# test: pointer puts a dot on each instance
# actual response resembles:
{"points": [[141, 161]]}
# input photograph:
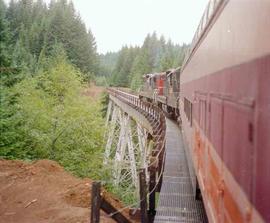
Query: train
{"points": [[221, 98]]}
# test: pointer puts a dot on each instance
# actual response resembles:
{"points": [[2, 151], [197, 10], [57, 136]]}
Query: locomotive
{"points": [[163, 89], [221, 97]]}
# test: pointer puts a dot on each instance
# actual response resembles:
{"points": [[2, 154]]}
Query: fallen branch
{"points": [[31, 202]]}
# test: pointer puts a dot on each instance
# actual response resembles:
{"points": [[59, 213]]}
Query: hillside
{"points": [[43, 191]]}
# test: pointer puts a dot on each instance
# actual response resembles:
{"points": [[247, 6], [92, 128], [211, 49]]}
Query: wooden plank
{"points": [[113, 212], [143, 198], [152, 196], [95, 202]]}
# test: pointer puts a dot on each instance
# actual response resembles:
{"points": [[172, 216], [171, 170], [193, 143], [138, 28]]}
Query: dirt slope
{"points": [[43, 192], [94, 91]]}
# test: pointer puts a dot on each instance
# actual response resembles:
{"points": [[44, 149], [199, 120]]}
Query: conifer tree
{"points": [[4, 37]]}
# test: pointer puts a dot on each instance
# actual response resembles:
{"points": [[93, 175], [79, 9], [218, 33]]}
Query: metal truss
{"points": [[127, 149]]}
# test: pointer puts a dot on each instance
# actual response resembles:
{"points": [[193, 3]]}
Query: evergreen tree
{"points": [[66, 27], [36, 28], [107, 63], [155, 55], [141, 66], [122, 71], [35, 86], [4, 37], [167, 60]]}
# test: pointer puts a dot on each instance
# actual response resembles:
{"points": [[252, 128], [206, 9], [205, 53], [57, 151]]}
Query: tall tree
{"points": [[67, 28], [122, 71], [35, 28], [4, 37], [107, 63], [141, 66]]}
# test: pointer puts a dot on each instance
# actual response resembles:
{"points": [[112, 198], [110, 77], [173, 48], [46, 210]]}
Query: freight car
{"points": [[224, 103]]}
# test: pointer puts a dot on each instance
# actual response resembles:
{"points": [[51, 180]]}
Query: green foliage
{"points": [[155, 55], [4, 37], [121, 73], [107, 63], [101, 81], [11, 137], [52, 119], [104, 103], [67, 28], [46, 53], [128, 197], [33, 29], [141, 66]]}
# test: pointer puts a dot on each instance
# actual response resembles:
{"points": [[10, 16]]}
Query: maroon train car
{"points": [[225, 110]]}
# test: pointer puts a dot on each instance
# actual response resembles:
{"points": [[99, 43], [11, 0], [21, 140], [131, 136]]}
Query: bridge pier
{"points": [[135, 140], [128, 147]]}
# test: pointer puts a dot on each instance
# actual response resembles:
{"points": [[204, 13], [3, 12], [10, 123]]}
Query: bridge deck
{"points": [[176, 200]]}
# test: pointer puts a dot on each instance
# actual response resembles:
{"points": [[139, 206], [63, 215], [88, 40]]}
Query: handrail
{"points": [[153, 113]]}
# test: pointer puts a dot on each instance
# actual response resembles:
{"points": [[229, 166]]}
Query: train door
{"points": [[202, 124], [230, 158], [214, 156], [238, 155], [200, 128]]}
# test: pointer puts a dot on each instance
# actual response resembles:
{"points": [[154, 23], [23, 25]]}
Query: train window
{"points": [[188, 110]]}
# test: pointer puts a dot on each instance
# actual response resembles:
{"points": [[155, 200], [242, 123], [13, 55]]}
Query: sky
{"points": [[115, 23]]}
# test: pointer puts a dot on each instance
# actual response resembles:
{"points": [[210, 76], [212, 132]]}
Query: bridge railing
{"points": [[156, 118]]}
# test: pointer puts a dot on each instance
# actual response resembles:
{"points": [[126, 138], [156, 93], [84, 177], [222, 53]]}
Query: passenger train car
{"points": [[222, 95]]}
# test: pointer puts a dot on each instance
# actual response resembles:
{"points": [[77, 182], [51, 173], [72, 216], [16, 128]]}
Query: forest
{"points": [[48, 57], [126, 67]]}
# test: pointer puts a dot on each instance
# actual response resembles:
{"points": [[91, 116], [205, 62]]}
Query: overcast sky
{"points": [[115, 23]]}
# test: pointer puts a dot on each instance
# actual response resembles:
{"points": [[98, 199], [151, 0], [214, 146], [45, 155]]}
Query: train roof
{"points": [[207, 17], [154, 75], [172, 71]]}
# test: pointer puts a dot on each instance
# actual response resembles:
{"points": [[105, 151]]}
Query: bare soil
{"points": [[94, 91], [43, 191]]}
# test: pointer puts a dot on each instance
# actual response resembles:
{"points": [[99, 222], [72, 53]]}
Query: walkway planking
{"points": [[176, 201]]}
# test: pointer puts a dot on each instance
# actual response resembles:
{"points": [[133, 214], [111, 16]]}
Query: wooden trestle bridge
{"points": [[146, 151]]}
